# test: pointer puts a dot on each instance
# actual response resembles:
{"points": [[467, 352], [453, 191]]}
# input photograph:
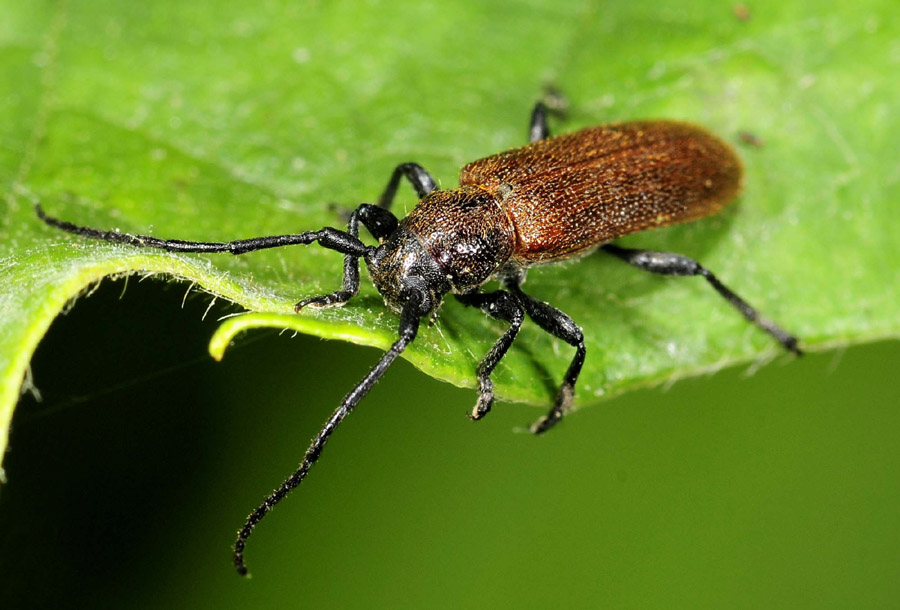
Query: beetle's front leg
{"points": [[418, 177], [380, 223], [350, 286]]}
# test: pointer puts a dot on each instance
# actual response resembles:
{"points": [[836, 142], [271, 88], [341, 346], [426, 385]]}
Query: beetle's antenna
{"points": [[409, 326], [328, 238]]}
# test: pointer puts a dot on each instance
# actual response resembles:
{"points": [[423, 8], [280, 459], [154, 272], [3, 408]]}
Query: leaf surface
{"points": [[214, 122]]}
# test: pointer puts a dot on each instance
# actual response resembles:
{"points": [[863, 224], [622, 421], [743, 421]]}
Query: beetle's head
{"points": [[403, 271]]}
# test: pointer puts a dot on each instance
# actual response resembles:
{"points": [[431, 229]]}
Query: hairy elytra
{"points": [[551, 200], [566, 194]]}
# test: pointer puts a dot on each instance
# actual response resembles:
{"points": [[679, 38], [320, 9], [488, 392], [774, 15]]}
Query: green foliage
{"points": [[211, 121]]}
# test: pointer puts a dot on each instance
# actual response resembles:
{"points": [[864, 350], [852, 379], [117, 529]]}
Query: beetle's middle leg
{"points": [[503, 306], [559, 325]]}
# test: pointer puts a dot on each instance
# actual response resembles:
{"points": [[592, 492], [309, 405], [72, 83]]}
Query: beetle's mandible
{"points": [[556, 198]]}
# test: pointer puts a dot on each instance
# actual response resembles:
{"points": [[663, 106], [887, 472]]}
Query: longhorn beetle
{"points": [[557, 198]]}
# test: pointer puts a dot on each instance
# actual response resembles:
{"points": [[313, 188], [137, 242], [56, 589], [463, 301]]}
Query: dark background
{"points": [[127, 481]]}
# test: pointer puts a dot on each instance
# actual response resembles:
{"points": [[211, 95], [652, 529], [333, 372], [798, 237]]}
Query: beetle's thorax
{"points": [[466, 231], [451, 241]]}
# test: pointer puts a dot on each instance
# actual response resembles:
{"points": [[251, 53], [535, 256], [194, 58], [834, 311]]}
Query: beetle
{"points": [[552, 200]]}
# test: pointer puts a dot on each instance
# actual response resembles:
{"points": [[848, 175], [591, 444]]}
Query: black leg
{"points": [[559, 325], [409, 325], [379, 221], [350, 285], [502, 306], [327, 238], [420, 179], [553, 102], [665, 263], [538, 129]]}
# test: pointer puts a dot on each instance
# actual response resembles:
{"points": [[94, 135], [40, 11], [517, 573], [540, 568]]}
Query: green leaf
{"points": [[213, 122]]}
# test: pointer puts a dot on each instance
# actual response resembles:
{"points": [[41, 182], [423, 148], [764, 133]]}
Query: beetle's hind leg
{"points": [[559, 325], [666, 263], [502, 306]]}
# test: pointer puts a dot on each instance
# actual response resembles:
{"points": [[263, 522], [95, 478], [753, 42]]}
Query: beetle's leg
{"points": [[665, 263], [538, 129], [502, 306], [559, 325], [409, 325], [327, 238], [420, 179], [553, 103], [350, 286], [380, 223]]}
